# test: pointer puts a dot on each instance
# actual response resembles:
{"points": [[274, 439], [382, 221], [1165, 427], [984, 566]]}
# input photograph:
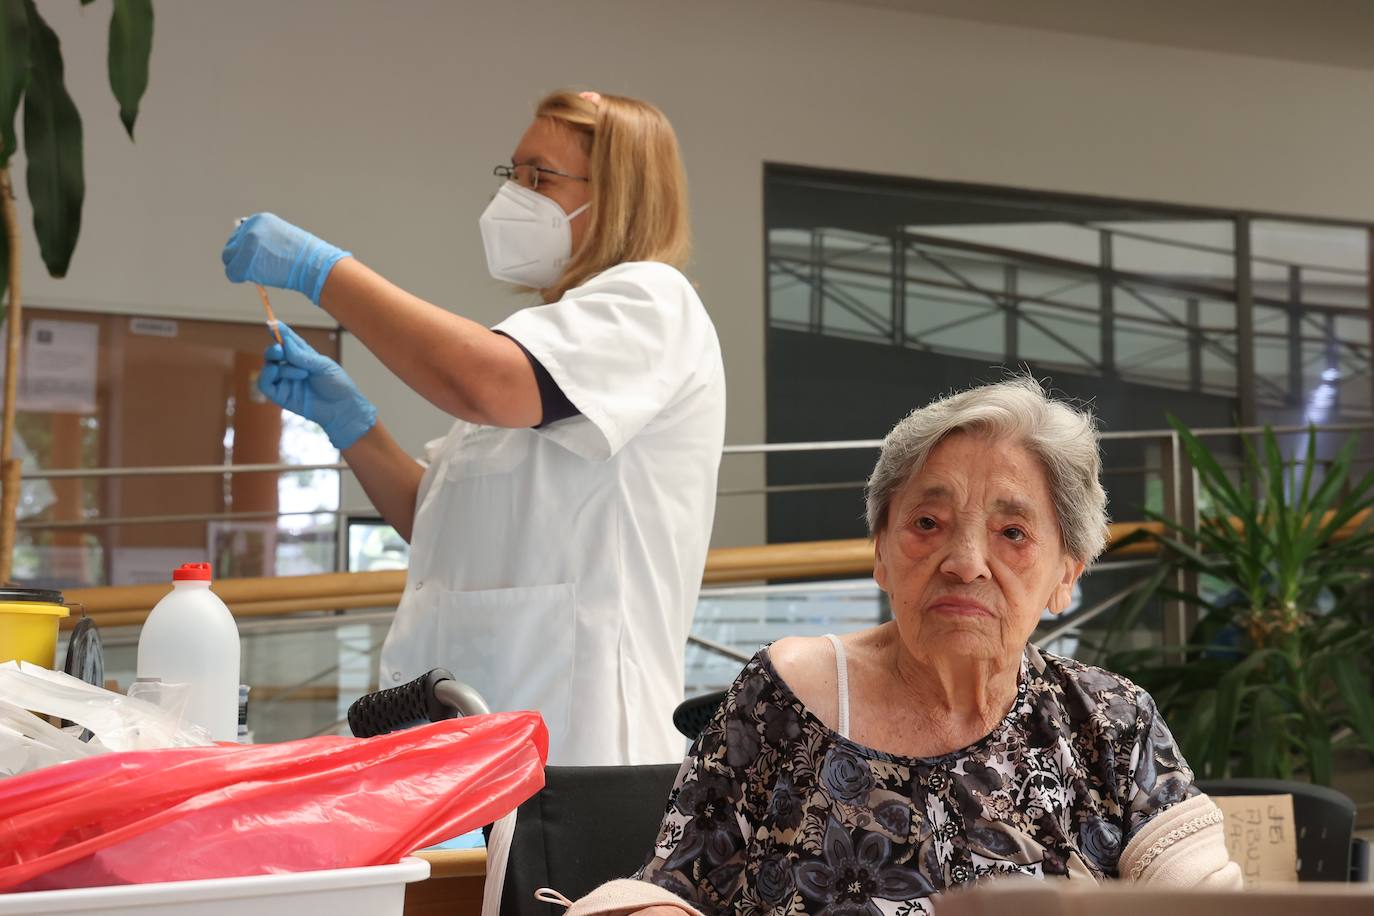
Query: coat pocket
{"points": [[516, 646]]}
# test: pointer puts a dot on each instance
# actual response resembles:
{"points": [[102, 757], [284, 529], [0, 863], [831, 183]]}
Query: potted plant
{"points": [[1275, 674], [31, 73]]}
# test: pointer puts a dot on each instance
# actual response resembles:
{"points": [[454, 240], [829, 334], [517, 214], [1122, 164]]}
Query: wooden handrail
{"points": [[726, 565], [127, 605], [246, 591]]}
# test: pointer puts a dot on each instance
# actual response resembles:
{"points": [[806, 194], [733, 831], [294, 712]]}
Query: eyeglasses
{"points": [[528, 175]]}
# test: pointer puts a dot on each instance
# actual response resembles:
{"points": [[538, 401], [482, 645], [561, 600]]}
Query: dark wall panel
{"points": [[827, 388]]}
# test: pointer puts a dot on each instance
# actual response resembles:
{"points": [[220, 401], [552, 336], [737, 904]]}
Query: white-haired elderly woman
{"points": [[866, 773]]}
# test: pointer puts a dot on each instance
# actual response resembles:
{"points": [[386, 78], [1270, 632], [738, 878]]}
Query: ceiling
{"points": [[1336, 33]]}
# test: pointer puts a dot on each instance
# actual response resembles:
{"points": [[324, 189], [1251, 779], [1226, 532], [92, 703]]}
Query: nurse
{"points": [[559, 531]]}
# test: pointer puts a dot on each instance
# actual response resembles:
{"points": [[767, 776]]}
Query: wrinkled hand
{"points": [[298, 378], [266, 249]]}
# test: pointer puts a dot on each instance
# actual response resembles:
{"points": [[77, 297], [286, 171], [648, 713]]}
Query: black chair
{"points": [[691, 716], [585, 827], [1325, 821]]}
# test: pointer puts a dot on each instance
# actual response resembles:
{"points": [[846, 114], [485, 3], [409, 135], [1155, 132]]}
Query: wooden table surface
{"points": [[455, 863], [454, 887]]}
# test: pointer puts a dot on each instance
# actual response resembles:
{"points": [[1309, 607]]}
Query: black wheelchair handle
{"points": [[401, 707]]}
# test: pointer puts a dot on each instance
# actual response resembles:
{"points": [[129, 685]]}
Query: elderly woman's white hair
{"points": [[1017, 410]]}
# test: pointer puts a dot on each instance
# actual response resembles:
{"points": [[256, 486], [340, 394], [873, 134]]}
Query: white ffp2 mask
{"points": [[527, 237]]}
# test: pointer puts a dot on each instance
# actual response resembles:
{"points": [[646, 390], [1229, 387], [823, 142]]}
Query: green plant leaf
{"points": [[1130, 609], [1212, 537], [1308, 468], [14, 71], [1349, 505], [1255, 521], [1287, 561], [1213, 477], [131, 43], [1209, 627], [1227, 562], [1231, 690], [1354, 688], [1226, 712], [1193, 725], [1340, 580], [1275, 470], [1267, 735], [1135, 537], [1317, 743], [1185, 552], [1328, 492], [1338, 637], [1192, 598], [14, 78], [52, 141], [1164, 697]]}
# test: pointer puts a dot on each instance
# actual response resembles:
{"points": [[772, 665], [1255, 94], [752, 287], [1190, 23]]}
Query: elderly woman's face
{"points": [[971, 553]]}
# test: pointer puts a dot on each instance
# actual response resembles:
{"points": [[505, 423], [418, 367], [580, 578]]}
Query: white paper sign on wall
{"points": [[60, 366]]}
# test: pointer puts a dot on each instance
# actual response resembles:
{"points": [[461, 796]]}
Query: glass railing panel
{"points": [[744, 619], [1202, 252]]}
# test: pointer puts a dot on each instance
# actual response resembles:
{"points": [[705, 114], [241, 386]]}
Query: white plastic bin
{"points": [[376, 891]]}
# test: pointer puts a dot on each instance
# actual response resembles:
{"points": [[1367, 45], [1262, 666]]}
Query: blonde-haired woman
{"points": [[559, 531]]}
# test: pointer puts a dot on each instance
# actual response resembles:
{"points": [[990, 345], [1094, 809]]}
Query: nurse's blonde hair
{"points": [[638, 185]]}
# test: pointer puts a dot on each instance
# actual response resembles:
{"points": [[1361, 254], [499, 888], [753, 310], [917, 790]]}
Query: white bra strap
{"points": [[842, 683]]}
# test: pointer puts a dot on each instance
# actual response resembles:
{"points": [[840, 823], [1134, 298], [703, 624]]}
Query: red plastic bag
{"points": [[229, 810]]}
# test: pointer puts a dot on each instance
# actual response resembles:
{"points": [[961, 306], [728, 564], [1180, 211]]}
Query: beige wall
{"points": [[376, 125]]}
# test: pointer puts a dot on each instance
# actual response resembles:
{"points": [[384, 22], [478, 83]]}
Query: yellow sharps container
{"points": [[29, 618]]}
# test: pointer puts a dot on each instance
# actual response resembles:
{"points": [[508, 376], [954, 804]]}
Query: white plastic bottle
{"points": [[191, 638]]}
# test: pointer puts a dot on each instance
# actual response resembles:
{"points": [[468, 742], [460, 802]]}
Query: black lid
{"points": [[38, 595]]}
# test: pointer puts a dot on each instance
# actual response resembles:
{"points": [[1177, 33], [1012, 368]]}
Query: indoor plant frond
{"points": [[32, 79], [1277, 664]]}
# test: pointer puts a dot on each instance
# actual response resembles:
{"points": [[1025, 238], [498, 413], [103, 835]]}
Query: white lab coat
{"points": [[557, 569]]}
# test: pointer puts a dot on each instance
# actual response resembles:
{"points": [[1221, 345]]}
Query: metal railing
{"points": [[1176, 479], [1179, 502], [1177, 488]]}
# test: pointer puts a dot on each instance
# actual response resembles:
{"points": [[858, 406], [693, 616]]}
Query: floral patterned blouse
{"points": [[774, 813]]}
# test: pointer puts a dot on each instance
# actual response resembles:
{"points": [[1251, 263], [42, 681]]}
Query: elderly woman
{"points": [[866, 773]]}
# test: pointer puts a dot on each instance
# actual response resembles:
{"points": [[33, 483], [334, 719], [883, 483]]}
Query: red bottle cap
{"points": [[195, 572]]}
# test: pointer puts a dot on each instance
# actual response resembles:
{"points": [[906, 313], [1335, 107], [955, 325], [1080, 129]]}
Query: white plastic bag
{"points": [[120, 723], [170, 698], [28, 742]]}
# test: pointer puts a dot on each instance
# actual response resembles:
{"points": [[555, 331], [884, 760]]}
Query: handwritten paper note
{"points": [[1261, 836]]}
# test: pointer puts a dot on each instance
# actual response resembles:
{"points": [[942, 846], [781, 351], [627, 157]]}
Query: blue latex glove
{"points": [[266, 249], [299, 379]]}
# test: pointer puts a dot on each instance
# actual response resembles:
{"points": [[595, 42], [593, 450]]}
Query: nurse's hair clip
{"points": [[593, 97]]}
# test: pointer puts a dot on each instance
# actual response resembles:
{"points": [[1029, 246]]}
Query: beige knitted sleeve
{"points": [[1183, 846], [625, 896]]}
